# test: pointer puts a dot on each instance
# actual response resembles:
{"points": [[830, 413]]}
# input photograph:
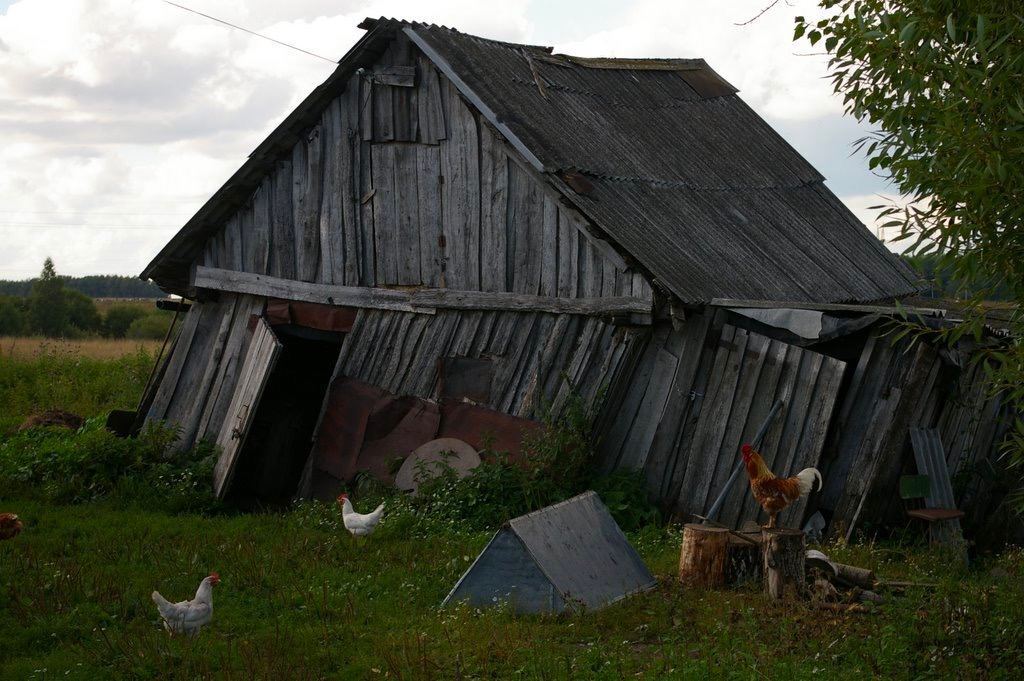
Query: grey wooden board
{"points": [[505, 573], [931, 461], [307, 183], [431, 236], [582, 551], [259, 362], [460, 194], [179, 355], [282, 255], [418, 300], [234, 354]]}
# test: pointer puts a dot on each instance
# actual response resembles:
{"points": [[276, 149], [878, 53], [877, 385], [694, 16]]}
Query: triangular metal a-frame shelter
{"points": [[571, 555]]}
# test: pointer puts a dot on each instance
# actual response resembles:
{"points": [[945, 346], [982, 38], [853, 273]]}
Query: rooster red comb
{"points": [[746, 449]]}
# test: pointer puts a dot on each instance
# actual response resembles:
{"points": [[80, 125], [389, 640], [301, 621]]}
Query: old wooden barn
{"points": [[452, 234]]}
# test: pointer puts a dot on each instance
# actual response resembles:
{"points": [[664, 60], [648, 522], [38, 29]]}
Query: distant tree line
{"points": [[51, 308], [94, 286]]}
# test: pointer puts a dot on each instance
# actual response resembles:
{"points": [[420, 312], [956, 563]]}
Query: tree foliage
{"points": [[46, 304], [942, 81]]}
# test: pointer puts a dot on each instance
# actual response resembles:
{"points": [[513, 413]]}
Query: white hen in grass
{"points": [[359, 524], [188, 617]]}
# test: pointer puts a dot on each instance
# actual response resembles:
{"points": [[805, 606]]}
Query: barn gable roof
{"points": [[661, 154]]}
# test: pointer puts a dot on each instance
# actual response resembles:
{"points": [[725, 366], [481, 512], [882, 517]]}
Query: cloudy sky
{"points": [[118, 118]]}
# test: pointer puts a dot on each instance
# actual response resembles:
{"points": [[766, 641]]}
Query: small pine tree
{"points": [[47, 306]]}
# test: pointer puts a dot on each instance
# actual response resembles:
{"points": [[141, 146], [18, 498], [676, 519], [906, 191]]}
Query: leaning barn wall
{"points": [[202, 368]]}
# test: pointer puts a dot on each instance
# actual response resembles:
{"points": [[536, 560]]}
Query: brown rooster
{"points": [[10, 526], [773, 493]]}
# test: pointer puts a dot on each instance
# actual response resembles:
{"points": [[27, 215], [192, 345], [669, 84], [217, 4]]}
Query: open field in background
{"points": [[88, 378], [30, 347], [144, 304], [300, 600]]}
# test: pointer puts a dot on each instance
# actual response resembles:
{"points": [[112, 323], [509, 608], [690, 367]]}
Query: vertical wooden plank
{"points": [[525, 230], [177, 359], [407, 214], [259, 363], [199, 397], [568, 255], [348, 178], [234, 257], [493, 208], [385, 220], [332, 244], [428, 170], [367, 230], [231, 361], [282, 258], [428, 98], [460, 195], [404, 115], [549, 249], [366, 109], [257, 242], [307, 184]]}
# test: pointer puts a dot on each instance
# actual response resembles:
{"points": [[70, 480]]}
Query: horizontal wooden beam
{"points": [[424, 301]]}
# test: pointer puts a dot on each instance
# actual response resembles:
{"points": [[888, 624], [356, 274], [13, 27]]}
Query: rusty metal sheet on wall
{"points": [[480, 426], [310, 315], [366, 428]]}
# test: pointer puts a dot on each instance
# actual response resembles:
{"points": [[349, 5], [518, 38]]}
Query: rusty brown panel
{"points": [[311, 315], [364, 428], [480, 426], [707, 83], [466, 378]]}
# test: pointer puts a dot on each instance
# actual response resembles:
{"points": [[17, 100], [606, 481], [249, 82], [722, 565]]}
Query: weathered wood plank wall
{"points": [[203, 368], [697, 393], [402, 183], [539, 359]]}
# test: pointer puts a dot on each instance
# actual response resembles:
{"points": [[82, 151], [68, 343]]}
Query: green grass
{"points": [[63, 379], [299, 600]]}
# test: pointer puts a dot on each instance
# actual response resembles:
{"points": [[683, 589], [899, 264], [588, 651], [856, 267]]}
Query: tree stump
{"points": [[783, 552], [702, 556], [743, 559]]}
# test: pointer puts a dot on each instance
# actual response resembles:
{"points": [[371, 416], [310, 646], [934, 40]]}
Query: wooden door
{"points": [[259, 362], [749, 373]]}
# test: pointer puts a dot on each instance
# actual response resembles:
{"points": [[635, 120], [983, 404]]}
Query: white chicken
{"points": [[359, 524], [188, 617]]}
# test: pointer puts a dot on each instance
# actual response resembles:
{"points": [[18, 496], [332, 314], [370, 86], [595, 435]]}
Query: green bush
{"points": [[13, 316], [152, 327], [119, 318], [82, 316], [65, 467], [555, 465]]}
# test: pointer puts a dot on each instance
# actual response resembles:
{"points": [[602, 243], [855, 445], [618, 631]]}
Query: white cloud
{"points": [[125, 115]]}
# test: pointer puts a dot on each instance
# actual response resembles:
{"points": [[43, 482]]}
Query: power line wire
{"points": [[240, 28]]}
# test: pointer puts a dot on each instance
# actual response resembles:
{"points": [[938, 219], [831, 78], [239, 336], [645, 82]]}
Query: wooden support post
{"points": [[783, 551], [702, 556]]}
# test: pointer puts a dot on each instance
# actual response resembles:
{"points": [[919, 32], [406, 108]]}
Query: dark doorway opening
{"points": [[278, 443]]}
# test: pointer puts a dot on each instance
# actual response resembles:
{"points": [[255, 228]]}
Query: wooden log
{"points": [[783, 552], [703, 555], [855, 576]]}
